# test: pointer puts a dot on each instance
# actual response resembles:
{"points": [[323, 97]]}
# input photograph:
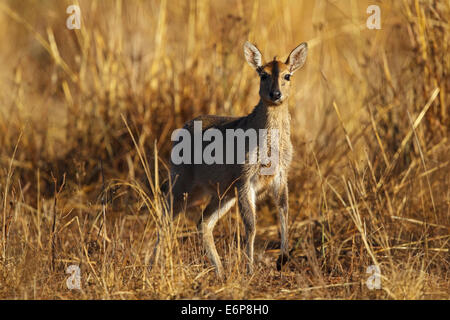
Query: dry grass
{"points": [[369, 182]]}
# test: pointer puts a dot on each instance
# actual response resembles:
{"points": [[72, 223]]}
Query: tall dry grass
{"points": [[85, 124]]}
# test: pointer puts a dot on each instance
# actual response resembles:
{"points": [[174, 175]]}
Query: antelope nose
{"points": [[275, 95]]}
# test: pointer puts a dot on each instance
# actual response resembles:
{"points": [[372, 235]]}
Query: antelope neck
{"points": [[270, 116]]}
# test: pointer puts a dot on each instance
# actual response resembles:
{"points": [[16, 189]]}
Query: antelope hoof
{"points": [[282, 260], [219, 273], [250, 269]]}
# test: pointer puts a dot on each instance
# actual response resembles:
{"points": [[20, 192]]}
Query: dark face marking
{"points": [[274, 86]]}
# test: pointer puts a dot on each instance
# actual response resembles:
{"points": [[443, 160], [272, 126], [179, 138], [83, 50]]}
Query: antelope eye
{"points": [[264, 76], [287, 77]]}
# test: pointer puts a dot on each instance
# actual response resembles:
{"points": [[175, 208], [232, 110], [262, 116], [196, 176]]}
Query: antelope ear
{"points": [[252, 55], [297, 57]]}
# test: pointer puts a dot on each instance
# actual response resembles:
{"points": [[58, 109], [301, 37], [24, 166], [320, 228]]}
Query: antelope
{"points": [[228, 183]]}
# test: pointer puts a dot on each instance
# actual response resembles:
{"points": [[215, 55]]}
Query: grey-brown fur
{"points": [[221, 182]]}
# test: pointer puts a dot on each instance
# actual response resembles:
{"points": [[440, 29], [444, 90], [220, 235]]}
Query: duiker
{"points": [[225, 182]]}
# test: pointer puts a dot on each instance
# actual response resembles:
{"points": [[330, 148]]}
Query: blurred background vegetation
{"points": [[370, 122]]}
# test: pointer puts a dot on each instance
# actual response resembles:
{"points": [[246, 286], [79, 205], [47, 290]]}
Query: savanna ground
{"points": [[86, 118]]}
